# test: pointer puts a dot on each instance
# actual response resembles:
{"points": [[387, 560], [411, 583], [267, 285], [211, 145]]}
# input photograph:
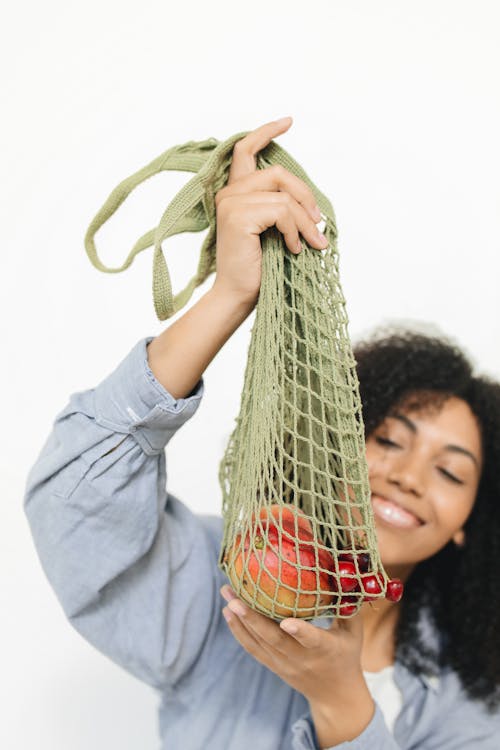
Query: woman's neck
{"points": [[379, 634], [380, 619]]}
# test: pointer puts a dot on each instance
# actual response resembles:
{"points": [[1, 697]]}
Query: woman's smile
{"points": [[393, 514]]}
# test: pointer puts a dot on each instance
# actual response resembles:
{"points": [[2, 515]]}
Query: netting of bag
{"points": [[299, 537]]}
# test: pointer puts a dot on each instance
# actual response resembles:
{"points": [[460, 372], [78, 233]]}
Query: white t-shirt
{"points": [[386, 693]]}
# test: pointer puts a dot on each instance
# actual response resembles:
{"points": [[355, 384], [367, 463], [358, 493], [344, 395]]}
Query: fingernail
{"points": [[316, 214], [299, 246], [289, 627], [237, 607], [227, 593], [282, 120], [227, 614], [322, 238]]}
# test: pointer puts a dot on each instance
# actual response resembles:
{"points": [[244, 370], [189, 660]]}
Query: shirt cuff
{"points": [[374, 737], [132, 401]]}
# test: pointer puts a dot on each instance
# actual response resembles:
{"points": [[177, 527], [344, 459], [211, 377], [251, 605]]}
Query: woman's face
{"points": [[424, 469]]}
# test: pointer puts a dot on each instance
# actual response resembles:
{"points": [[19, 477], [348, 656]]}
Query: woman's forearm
{"points": [[344, 717], [179, 356]]}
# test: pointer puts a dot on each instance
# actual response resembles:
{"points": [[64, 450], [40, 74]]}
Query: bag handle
{"points": [[191, 210]]}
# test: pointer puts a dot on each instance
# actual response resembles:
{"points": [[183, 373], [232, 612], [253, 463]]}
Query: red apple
{"points": [[286, 513], [281, 583]]}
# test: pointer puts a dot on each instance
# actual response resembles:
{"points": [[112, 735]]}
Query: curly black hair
{"points": [[459, 588]]}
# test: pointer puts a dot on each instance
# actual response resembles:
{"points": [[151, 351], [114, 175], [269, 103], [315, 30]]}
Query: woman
{"points": [[136, 571]]}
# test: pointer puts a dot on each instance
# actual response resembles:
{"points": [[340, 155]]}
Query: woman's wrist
{"points": [[345, 715], [179, 356], [232, 299]]}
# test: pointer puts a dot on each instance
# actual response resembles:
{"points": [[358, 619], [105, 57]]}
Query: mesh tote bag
{"points": [[299, 537]]}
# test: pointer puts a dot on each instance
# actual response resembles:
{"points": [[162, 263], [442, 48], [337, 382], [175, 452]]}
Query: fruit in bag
{"points": [[302, 578]]}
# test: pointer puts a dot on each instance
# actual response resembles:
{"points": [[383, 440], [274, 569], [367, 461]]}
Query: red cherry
{"points": [[364, 562], [363, 559], [371, 586], [348, 606], [346, 556], [395, 589], [348, 580]]}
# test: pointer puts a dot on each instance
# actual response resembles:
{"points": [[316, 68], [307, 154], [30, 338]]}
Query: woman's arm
{"points": [[347, 714], [126, 560], [123, 556], [179, 356]]}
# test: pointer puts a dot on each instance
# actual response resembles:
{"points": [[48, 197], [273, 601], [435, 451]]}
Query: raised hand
{"points": [[251, 202]]}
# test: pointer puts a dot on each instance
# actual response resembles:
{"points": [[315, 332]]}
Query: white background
{"points": [[396, 118]]}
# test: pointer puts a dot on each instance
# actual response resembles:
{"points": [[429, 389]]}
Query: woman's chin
{"points": [[396, 549]]}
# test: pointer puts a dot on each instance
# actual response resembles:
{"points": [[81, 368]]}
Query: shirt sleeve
{"points": [[464, 724], [131, 565], [375, 736], [456, 724]]}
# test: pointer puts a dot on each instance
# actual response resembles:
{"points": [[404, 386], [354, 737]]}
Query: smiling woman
{"points": [[407, 460], [136, 571], [433, 450]]}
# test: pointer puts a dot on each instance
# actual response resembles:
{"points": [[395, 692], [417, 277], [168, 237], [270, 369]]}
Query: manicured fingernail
{"points": [[227, 593], [237, 607], [289, 627], [282, 120], [322, 239], [227, 614]]}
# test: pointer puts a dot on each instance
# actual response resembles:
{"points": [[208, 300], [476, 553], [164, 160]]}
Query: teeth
{"points": [[394, 514]]}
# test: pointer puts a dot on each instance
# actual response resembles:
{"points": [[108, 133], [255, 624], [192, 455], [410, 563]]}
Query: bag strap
{"points": [[191, 210]]}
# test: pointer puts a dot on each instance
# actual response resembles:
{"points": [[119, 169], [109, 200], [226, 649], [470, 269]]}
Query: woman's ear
{"points": [[459, 538]]}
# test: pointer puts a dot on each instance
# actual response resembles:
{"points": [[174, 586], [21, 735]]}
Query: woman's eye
{"points": [[385, 441], [451, 477]]}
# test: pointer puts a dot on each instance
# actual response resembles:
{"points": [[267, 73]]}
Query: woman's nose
{"points": [[408, 474]]}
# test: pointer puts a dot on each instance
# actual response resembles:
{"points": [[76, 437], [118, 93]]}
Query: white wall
{"points": [[397, 117]]}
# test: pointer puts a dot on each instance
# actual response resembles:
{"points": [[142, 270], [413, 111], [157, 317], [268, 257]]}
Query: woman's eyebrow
{"points": [[455, 448], [411, 425], [464, 451]]}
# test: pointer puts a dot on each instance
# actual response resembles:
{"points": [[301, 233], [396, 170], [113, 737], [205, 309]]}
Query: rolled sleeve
{"points": [[132, 401], [122, 555]]}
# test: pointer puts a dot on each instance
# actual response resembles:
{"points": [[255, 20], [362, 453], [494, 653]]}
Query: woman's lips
{"points": [[393, 514]]}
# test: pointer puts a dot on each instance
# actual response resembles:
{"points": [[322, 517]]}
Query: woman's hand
{"points": [[323, 665], [251, 202]]}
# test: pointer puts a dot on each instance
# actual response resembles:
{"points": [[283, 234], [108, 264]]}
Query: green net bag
{"points": [[299, 537]]}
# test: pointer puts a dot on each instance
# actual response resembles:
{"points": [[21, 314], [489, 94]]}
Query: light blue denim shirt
{"points": [[136, 574]]}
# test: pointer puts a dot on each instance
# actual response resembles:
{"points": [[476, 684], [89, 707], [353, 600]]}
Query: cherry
{"points": [[363, 558], [364, 562], [371, 586], [348, 580], [348, 606], [395, 589]]}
